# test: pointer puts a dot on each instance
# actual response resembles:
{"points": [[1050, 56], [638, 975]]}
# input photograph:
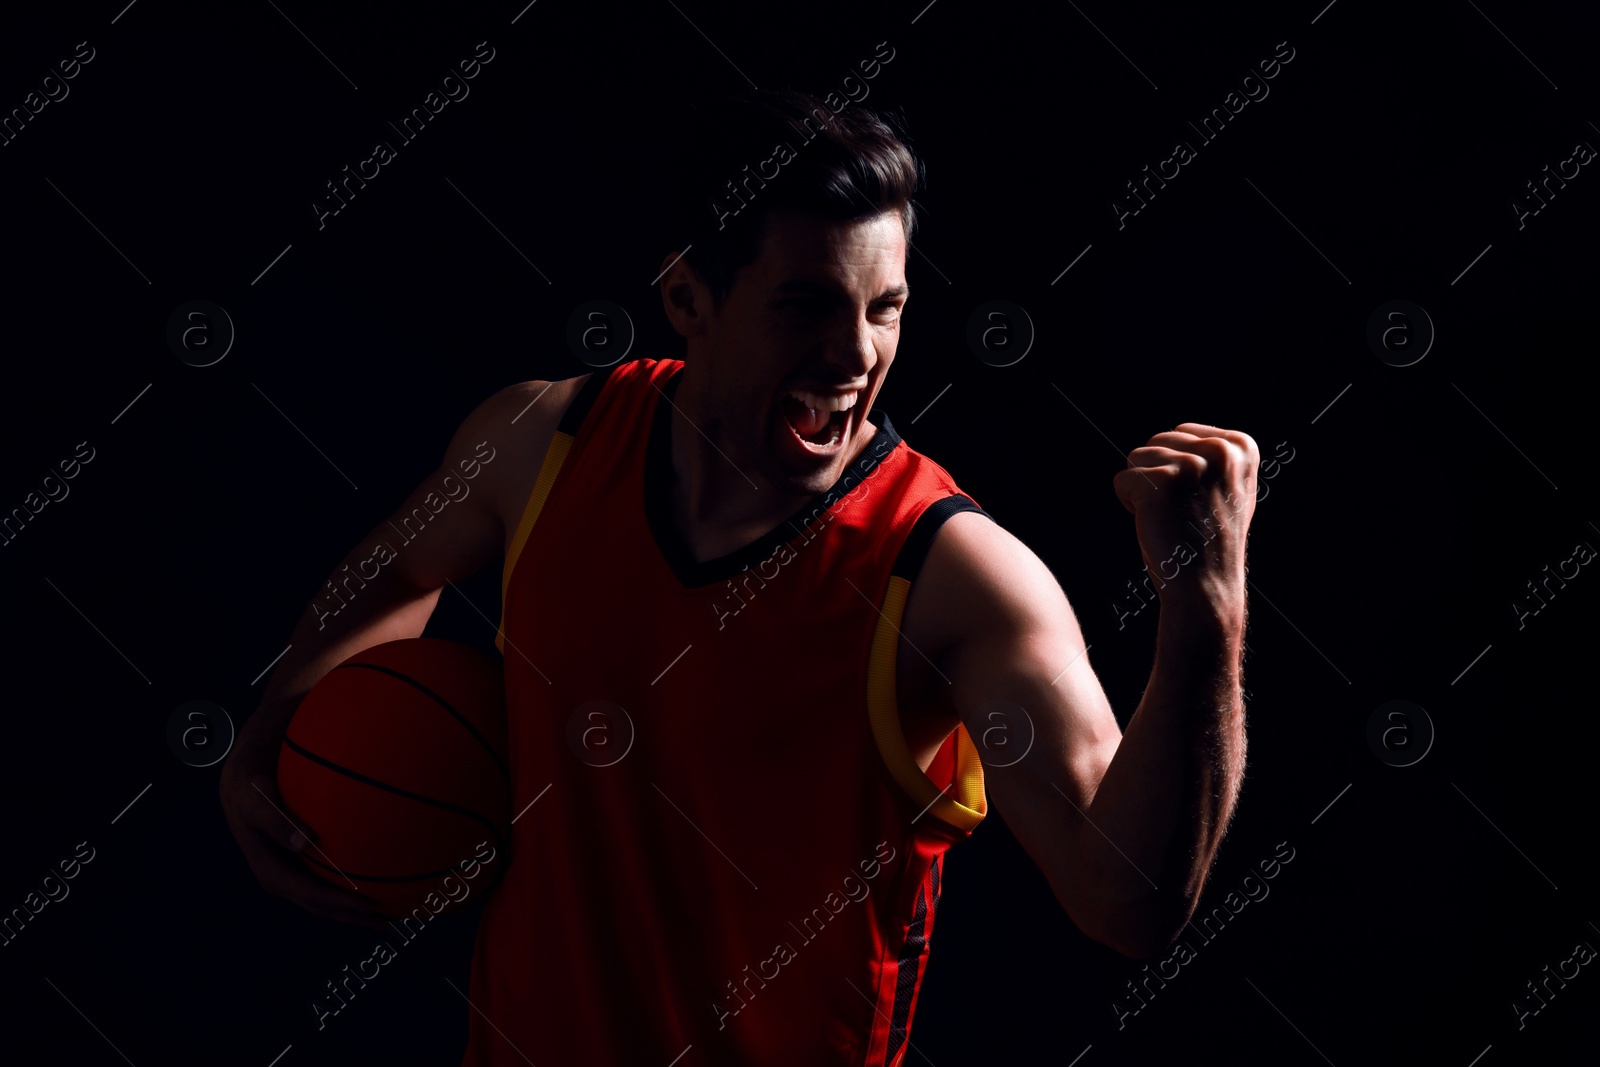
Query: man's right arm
{"points": [[492, 461]]}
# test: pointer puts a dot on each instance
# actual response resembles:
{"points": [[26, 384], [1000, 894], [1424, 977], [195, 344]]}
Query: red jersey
{"points": [[724, 852]]}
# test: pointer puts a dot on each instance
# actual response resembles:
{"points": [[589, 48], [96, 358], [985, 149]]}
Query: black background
{"points": [[1385, 556]]}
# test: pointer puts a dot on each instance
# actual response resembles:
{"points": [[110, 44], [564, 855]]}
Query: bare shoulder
{"points": [[979, 578], [513, 428], [980, 596]]}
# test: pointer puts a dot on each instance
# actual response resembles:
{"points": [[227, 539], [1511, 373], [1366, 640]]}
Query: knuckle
{"points": [[1243, 446]]}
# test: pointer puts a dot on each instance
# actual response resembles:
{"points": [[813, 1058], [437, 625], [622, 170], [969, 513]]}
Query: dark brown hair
{"points": [[783, 150]]}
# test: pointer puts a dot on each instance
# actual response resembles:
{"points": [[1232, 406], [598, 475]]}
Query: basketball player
{"points": [[757, 649]]}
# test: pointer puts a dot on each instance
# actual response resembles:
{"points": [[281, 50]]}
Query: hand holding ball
{"points": [[395, 764]]}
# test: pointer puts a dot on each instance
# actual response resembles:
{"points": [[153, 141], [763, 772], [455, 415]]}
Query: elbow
{"points": [[1139, 931], [1137, 945]]}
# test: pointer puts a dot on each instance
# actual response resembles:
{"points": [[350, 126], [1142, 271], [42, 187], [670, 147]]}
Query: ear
{"points": [[684, 297]]}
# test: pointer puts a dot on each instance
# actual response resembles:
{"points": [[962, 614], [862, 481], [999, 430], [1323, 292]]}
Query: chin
{"points": [[803, 468]]}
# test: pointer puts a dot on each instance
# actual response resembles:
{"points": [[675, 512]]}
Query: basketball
{"points": [[395, 765]]}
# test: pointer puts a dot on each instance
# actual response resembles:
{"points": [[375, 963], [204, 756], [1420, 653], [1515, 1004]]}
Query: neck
{"points": [[721, 501]]}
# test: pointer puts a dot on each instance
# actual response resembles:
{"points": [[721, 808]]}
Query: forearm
{"points": [[369, 612], [1155, 821]]}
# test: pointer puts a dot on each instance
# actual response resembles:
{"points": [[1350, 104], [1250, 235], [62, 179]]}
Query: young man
{"points": [[756, 647]]}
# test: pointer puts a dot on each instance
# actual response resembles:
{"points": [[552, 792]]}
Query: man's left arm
{"points": [[1123, 825]]}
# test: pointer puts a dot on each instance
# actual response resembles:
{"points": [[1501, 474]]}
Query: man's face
{"points": [[816, 313]]}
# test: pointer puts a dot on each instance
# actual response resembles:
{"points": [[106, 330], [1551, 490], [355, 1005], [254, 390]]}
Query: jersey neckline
{"points": [[658, 478]]}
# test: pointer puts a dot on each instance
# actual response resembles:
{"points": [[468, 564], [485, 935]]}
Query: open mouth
{"points": [[817, 420]]}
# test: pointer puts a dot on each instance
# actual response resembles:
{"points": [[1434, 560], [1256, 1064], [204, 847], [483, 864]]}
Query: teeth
{"points": [[826, 403]]}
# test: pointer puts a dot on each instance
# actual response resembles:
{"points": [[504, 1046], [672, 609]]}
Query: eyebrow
{"points": [[810, 288]]}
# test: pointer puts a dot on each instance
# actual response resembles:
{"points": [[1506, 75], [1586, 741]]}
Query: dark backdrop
{"points": [[1387, 554]]}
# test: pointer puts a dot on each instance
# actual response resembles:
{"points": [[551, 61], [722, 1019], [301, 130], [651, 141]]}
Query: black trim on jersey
{"points": [[572, 418], [915, 550], [443, 703], [905, 985], [658, 478]]}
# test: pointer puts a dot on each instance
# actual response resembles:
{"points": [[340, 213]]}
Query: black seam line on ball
{"points": [[443, 703], [376, 784]]}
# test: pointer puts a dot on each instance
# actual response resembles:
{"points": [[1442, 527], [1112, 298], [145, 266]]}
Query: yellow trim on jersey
{"points": [[967, 807], [554, 457]]}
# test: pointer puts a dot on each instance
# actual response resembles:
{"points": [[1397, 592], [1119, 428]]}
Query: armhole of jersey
{"points": [[554, 458], [963, 803]]}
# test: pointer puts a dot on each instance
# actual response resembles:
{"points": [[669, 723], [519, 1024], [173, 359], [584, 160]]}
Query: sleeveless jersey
{"points": [[724, 852]]}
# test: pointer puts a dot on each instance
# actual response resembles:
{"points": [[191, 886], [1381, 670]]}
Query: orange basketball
{"points": [[395, 765]]}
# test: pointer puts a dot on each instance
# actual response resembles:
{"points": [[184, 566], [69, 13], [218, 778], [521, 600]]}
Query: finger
{"points": [[1175, 439], [1120, 484], [326, 889], [284, 871], [1213, 449], [1153, 458], [286, 876], [278, 856], [1154, 455], [1234, 437], [268, 817], [1205, 429]]}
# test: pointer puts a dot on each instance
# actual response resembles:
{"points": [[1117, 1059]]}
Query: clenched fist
{"points": [[1192, 492]]}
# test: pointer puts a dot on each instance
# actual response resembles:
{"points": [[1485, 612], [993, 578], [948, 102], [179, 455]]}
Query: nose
{"points": [[853, 350]]}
